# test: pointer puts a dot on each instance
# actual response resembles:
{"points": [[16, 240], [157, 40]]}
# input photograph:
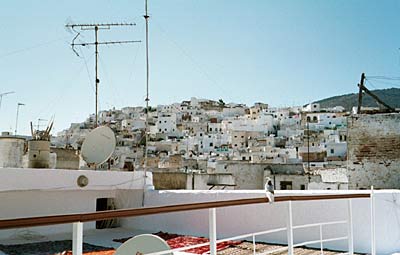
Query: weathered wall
{"points": [[169, 180], [66, 158], [374, 151]]}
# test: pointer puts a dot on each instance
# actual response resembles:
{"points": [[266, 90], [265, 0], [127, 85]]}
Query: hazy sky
{"points": [[279, 52]]}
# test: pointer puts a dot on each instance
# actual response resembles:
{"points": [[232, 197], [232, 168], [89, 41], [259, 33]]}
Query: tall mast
{"points": [[146, 17], [96, 44]]}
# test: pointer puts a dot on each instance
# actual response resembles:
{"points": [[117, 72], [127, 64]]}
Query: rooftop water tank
{"points": [[39, 154]]}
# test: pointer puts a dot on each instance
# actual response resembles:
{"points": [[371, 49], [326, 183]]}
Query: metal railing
{"points": [[78, 219]]}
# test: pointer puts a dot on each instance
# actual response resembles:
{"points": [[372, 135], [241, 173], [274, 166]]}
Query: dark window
{"points": [[332, 151], [286, 185], [302, 187]]}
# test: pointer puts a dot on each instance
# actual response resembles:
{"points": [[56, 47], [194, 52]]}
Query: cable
{"points": [[194, 62], [32, 47], [384, 78]]}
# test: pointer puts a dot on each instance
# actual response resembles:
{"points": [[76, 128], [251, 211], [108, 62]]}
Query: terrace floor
{"points": [[105, 241]]}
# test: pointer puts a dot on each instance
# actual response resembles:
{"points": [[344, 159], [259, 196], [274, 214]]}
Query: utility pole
{"points": [[96, 43], [4, 94], [361, 85], [376, 98], [16, 120]]}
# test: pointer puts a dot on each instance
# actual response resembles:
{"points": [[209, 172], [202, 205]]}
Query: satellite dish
{"points": [[98, 146], [143, 244]]}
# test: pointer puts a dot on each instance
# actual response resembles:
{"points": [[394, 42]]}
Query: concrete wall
{"points": [[374, 151], [169, 180], [66, 158], [247, 175], [42, 192], [232, 221]]}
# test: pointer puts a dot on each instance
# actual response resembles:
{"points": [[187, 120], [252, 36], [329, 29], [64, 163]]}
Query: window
{"points": [[243, 158], [286, 185], [302, 187], [211, 144], [332, 151]]}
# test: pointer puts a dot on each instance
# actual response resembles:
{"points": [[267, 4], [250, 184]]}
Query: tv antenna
{"points": [[96, 43], [5, 94]]}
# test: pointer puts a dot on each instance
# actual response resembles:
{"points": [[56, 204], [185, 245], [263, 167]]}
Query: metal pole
{"points": [[16, 119], [4, 94], [77, 238], [373, 241], [146, 17], [289, 226], [96, 29], [308, 146], [212, 221], [350, 227]]}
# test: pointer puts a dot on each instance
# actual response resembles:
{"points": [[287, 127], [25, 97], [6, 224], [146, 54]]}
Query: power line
{"points": [[32, 47]]}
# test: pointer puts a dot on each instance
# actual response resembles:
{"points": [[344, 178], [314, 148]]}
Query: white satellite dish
{"points": [[98, 146], [143, 244]]}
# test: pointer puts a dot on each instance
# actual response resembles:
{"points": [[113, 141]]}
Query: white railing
{"points": [[78, 234], [290, 245]]}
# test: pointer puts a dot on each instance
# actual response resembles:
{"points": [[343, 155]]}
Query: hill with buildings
{"points": [[390, 96]]}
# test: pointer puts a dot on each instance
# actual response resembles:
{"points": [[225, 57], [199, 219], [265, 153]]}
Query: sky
{"points": [[283, 53]]}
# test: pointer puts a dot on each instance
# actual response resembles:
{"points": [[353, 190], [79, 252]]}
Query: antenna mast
{"points": [[146, 17], [96, 43]]}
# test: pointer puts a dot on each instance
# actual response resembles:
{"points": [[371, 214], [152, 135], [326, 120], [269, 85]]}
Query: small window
{"points": [[332, 151], [286, 185], [302, 187], [211, 144]]}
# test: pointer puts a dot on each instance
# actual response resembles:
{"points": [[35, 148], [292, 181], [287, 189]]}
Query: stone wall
{"points": [[374, 151]]}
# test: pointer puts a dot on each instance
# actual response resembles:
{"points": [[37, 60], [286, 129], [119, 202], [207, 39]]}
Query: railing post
{"points": [[289, 225], [373, 243], [320, 240], [254, 245], [350, 227], [212, 221], [77, 238]]}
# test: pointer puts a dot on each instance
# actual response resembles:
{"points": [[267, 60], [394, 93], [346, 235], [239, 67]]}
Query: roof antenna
{"points": [[96, 43], [146, 17]]}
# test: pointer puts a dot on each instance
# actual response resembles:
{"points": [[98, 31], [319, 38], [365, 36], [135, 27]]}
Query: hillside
{"points": [[389, 96]]}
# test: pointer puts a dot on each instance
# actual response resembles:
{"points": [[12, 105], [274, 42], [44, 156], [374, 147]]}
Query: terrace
{"points": [[305, 222]]}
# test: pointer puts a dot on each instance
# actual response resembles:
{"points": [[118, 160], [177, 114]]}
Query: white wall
{"points": [[43, 192], [238, 220]]}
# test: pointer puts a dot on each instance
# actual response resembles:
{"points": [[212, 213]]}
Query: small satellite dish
{"points": [[143, 244], [98, 146]]}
